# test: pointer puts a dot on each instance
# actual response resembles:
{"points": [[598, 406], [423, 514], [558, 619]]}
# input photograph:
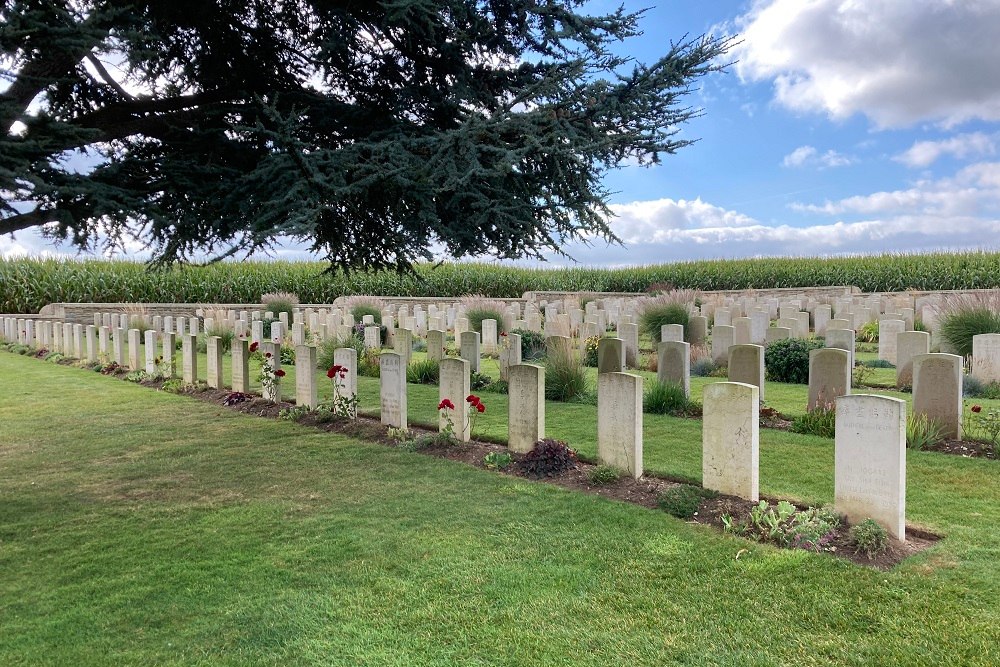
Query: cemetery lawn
{"points": [[140, 527]]}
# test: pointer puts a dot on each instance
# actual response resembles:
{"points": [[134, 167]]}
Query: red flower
{"points": [[336, 369], [446, 403], [503, 334], [253, 346], [976, 408], [472, 399], [267, 354], [480, 407], [279, 373]]}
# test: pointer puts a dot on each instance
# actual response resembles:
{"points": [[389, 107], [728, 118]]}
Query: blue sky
{"points": [[845, 127]]}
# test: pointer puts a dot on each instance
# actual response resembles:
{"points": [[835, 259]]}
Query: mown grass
{"points": [[28, 284], [130, 536]]}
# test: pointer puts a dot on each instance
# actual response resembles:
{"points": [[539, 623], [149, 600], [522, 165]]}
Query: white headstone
{"points": [[526, 407], [731, 439], [619, 421], [392, 390], [454, 385]]}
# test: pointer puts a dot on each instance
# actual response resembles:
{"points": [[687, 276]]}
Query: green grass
{"points": [[128, 536]]}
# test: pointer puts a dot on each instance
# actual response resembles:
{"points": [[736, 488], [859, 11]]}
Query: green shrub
{"points": [[958, 327], [359, 310], [869, 538], [604, 475], [682, 501], [532, 344], [277, 303], [479, 307], [497, 460], [226, 338], [565, 376], [821, 421], [548, 458], [703, 367], [877, 363], [656, 315], [923, 431], [868, 333], [424, 371], [328, 348], [788, 360], [664, 398], [368, 364], [973, 387]]}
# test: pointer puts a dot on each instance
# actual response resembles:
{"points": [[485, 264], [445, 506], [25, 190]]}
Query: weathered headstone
{"points": [[454, 385], [777, 333], [118, 346], [829, 377], [674, 364], [722, 340], [697, 330], [373, 338], [937, 391], [347, 386], [887, 332], [610, 355], [671, 332], [469, 349], [402, 344], [241, 365], [435, 345], [908, 345], [746, 365], [619, 421], [510, 353], [730, 439], [91, 337], [741, 331], [489, 337], [150, 347], [986, 357], [213, 345], [526, 407], [306, 393], [392, 390], [189, 358], [629, 333], [870, 461], [270, 366]]}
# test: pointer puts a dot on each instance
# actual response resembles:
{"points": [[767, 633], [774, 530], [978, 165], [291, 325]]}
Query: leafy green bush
{"points": [[973, 387], [664, 398], [532, 344], [876, 363], [788, 360], [368, 364], [868, 333], [328, 348], [682, 501], [424, 371], [548, 458], [565, 376], [226, 338], [959, 326], [656, 315], [869, 538], [604, 475], [923, 431], [359, 310], [497, 460], [821, 421]]}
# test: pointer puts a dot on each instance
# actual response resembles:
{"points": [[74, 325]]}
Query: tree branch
{"points": [[108, 79], [35, 218]]}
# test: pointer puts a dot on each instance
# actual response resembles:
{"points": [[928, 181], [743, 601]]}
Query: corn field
{"points": [[28, 284]]}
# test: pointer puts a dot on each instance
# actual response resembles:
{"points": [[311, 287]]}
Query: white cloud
{"points": [[899, 62], [925, 153], [808, 156]]}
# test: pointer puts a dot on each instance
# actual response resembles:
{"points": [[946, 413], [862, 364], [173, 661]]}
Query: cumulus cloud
{"points": [[808, 156], [898, 62], [925, 153]]}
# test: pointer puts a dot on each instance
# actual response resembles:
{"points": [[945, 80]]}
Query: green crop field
{"points": [[28, 284]]}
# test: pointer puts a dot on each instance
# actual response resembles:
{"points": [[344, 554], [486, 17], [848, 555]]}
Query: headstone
{"points": [[306, 394], [777, 333], [697, 330], [741, 331], [510, 354], [240, 353], [730, 440], [526, 407], [402, 344], [887, 331], [629, 333], [454, 385], [435, 345], [829, 377], [842, 339], [118, 345], [937, 391], [78, 350], [619, 421], [803, 320], [723, 317], [671, 332], [489, 337], [822, 315], [213, 346], [674, 364], [759, 322], [838, 323], [870, 461], [392, 390], [722, 340], [150, 347], [746, 365], [373, 338], [298, 334], [189, 358], [469, 349], [908, 345], [610, 355], [986, 357], [91, 338]]}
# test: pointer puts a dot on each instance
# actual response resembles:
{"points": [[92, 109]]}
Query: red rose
{"points": [[976, 408], [279, 373], [472, 399], [446, 403], [253, 346], [480, 407], [267, 354]]}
